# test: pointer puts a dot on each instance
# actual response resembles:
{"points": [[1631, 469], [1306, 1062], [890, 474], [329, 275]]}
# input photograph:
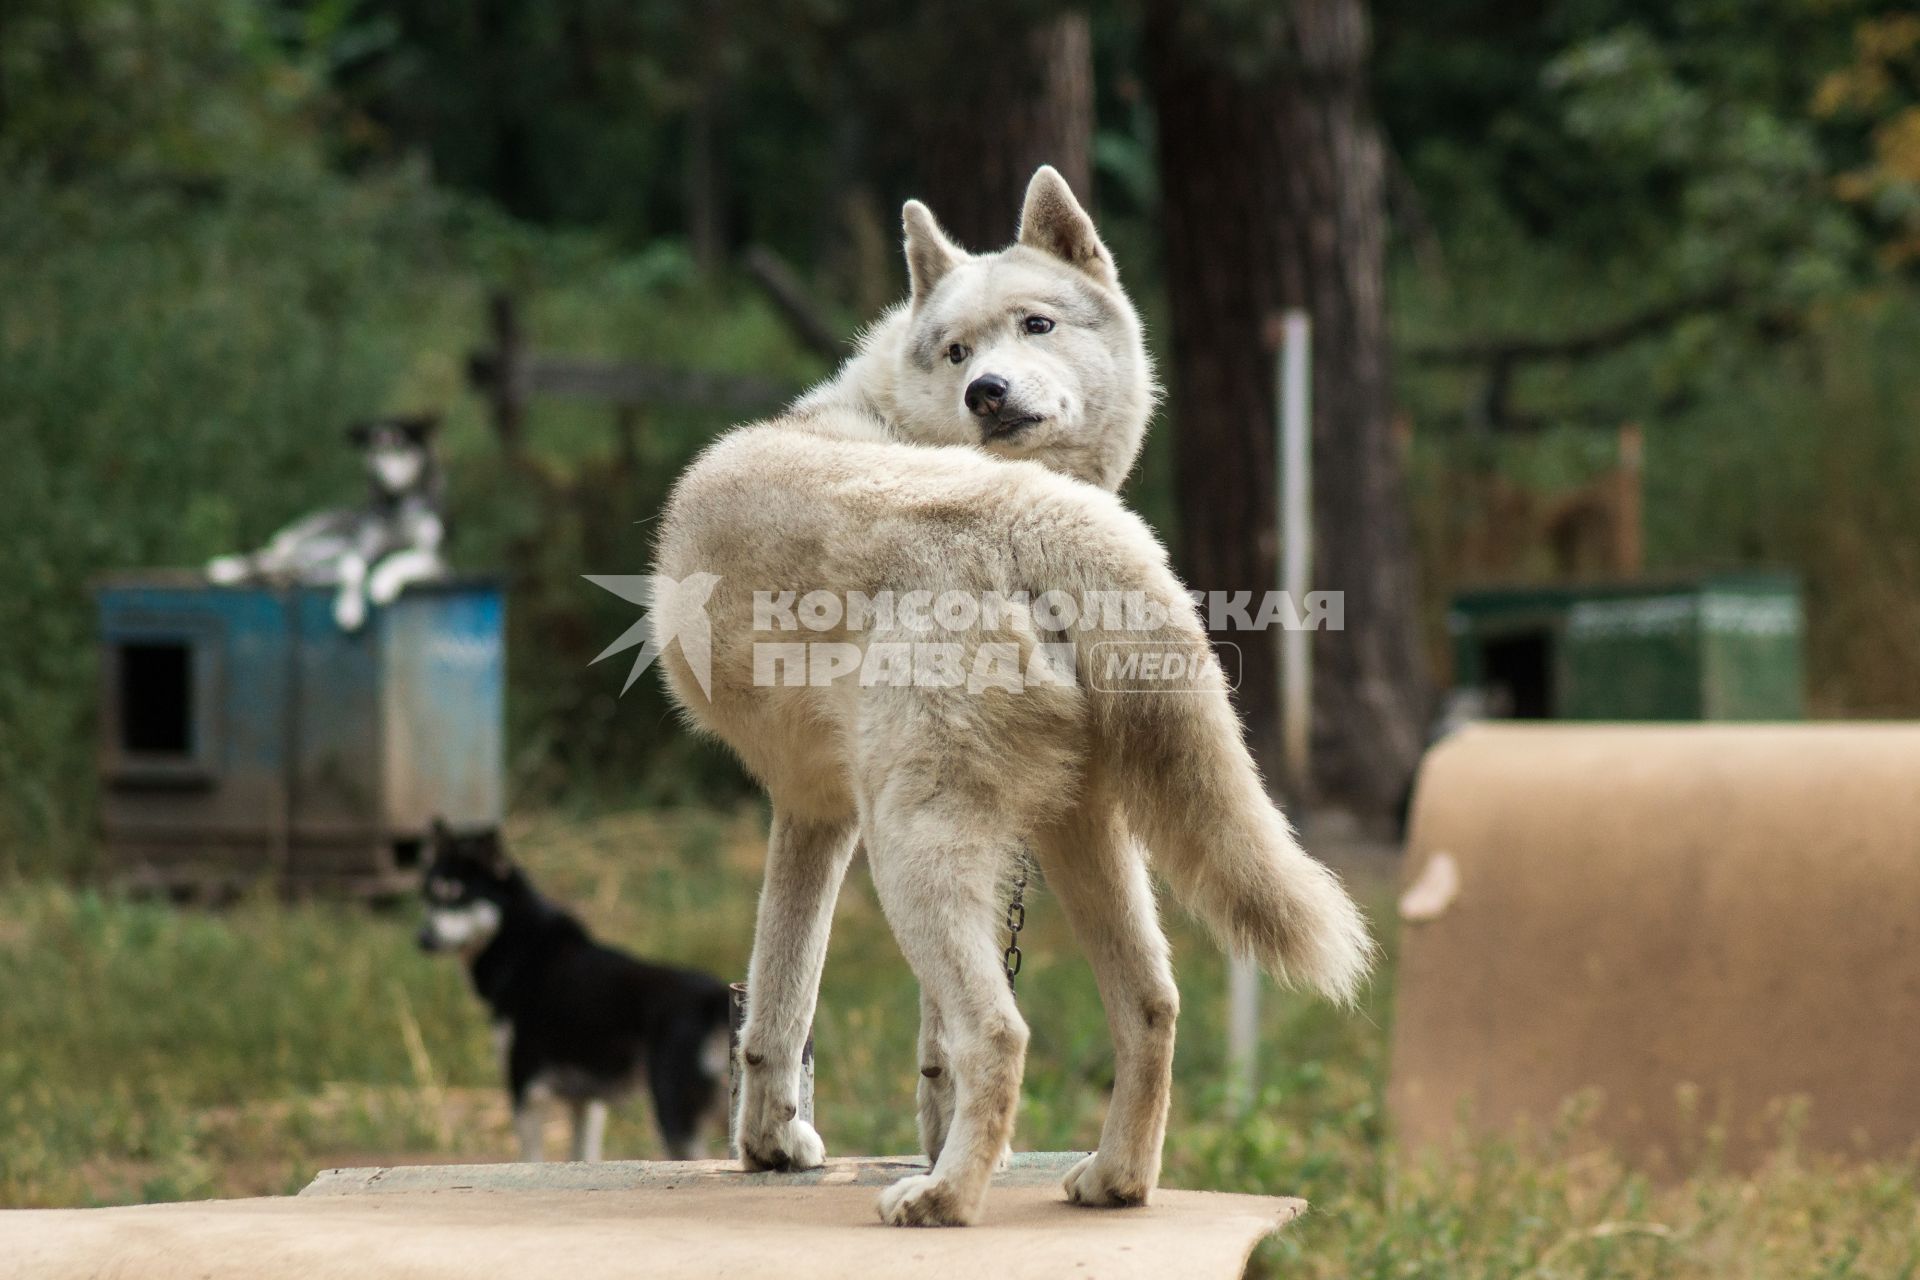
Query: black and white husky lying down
{"points": [[578, 1022], [375, 551]]}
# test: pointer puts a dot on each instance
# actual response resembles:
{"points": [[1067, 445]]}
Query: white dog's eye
{"points": [[1037, 324], [957, 353]]}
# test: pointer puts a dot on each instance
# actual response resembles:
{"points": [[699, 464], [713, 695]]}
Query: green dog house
{"points": [[1719, 647]]}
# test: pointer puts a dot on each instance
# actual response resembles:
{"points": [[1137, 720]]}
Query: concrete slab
{"points": [[635, 1218], [1025, 1169]]}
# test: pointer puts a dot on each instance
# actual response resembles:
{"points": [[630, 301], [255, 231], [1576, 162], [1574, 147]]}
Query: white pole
{"points": [[1243, 1030], [1293, 484], [1296, 547]]}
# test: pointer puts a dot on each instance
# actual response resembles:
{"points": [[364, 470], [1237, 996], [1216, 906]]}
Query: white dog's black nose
{"points": [[986, 394]]}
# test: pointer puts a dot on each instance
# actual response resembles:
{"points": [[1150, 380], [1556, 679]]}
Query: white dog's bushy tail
{"points": [[1193, 795]]}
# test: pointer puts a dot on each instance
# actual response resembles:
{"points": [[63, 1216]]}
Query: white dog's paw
{"points": [[787, 1147], [1099, 1184], [385, 588], [923, 1201], [349, 611], [1005, 1162], [226, 570]]}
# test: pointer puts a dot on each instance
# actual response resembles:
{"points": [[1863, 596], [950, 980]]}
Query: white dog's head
{"points": [[1032, 352], [398, 452]]}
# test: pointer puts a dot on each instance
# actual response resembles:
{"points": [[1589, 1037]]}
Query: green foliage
{"points": [[1748, 199], [1585, 120], [1874, 98], [1759, 452], [1806, 461], [219, 242], [1702, 164], [173, 380], [173, 94]]}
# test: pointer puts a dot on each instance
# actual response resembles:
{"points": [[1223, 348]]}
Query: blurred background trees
{"points": [[229, 226], [1272, 194]]}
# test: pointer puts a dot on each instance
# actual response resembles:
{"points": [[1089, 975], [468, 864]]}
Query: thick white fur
{"points": [[879, 480]]}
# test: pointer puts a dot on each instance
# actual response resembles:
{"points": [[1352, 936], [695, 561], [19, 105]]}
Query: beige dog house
{"points": [[1699, 922]]}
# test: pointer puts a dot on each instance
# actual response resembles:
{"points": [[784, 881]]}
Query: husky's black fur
{"points": [[584, 1021]]}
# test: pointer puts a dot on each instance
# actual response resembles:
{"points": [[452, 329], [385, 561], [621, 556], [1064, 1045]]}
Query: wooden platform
{"points": [[634, 1218]]}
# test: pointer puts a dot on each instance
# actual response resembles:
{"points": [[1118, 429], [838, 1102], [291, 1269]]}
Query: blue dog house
{"points": [[244, 735]]}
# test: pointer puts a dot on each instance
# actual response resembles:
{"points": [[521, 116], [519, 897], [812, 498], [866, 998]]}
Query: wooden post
{"points": [[1628, 553], [705, 180], [510, 375], [626, 438], [505, 373], [788, 293]]}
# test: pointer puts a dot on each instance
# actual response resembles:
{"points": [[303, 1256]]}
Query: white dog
{"points": [[971, 448], [371, 553]]}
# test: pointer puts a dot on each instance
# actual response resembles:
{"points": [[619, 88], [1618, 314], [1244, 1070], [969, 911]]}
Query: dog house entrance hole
{"points": [[1517, 670], [156, 698]]}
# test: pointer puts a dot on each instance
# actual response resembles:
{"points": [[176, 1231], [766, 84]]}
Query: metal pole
{"points": [[1294, 485]]}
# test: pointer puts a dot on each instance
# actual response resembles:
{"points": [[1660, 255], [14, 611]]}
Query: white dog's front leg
{"points": [[350, 602], [806, 862], [398, 572], [227, 570]]}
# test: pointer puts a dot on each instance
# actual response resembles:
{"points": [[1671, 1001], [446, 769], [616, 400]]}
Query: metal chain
{"points": [[1016, 921]]}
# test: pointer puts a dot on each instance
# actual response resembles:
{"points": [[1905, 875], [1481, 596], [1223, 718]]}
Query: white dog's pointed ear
{"points": [[930, 255], [1052, 221]]}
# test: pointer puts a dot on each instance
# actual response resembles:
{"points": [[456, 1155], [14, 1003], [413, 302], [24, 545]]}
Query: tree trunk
{"points": [[1014, 97], [705, 183], [1272, 186]]}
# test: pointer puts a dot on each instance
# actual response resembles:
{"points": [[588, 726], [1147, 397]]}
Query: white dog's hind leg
{"points": [[806, 862], [935, 1090], [1099, 875], [939, 889], [529, 1119], [589, 1129]]}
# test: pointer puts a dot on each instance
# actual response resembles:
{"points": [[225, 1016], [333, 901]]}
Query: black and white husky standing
{"points": [[372, 552], [577, 1022]]}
